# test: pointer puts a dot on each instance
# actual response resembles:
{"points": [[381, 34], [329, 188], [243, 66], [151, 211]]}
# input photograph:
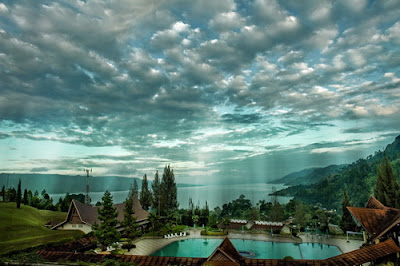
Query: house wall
{"points": [[83, 227]]}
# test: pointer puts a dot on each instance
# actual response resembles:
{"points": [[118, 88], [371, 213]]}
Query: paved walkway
{"points": [[147, 246]]}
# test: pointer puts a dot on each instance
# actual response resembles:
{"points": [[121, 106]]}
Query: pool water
{"points": [[202, 248]]}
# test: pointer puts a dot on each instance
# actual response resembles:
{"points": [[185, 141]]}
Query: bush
{"points": [[128, 246], [213, 233]]}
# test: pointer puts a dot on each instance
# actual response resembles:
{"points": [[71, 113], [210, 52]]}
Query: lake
{"points": [[216, 195]]}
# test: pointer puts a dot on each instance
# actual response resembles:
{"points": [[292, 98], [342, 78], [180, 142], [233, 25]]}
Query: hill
{"points": [[359, 177], [23, 228], [308, 176]]}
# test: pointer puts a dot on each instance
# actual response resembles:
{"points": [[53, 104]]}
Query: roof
{"points": [[89, 214], [366, 254], [226, 254], [373, 203], [376, 218], [356, 257]]}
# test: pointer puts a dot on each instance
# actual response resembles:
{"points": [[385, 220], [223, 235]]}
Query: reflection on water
{"points": [[215, 195]]}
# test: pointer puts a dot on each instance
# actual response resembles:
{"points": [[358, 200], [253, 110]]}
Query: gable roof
{"points": [[373, 203], [225, 254], [376, 218], [89, 214]]}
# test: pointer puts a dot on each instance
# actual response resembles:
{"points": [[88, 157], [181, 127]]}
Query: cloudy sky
{"points": [[224, 91]]}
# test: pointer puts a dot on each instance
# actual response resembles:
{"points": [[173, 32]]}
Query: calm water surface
{"points": [[216, 195], [202, 248]]}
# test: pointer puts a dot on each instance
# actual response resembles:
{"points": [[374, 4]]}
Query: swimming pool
{"points": [[202, 248]]}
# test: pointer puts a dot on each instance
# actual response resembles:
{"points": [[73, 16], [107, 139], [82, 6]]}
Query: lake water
{"points": [[215, 195], [202, 248]]}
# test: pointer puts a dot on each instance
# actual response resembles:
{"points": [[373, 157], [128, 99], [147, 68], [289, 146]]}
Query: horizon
{"points": [[223, 91]]}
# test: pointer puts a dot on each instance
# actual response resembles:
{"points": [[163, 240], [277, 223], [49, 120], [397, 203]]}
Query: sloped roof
{"points": [[366, 254], [226, 254], [89, 214], [376, 218], [373, 203]]}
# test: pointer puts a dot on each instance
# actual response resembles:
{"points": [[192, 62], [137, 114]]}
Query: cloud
{"points": [[149, 78]]}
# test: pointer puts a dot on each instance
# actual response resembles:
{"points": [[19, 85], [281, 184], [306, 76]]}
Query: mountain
{"points": [[293, 176], [308, 176], [359, 177], [56, 184]]}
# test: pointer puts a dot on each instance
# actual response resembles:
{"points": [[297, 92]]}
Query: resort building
{"points": [[81, 216], [379, 222]]}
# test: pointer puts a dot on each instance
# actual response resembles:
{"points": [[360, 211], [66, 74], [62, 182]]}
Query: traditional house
{"points": [[379, 222], [81, 216]]}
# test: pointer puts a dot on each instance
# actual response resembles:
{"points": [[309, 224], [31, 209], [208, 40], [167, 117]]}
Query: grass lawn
{"points": [[23, 228]]}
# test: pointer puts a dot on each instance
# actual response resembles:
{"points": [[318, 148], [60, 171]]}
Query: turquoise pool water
{"points": [[203, 248]]}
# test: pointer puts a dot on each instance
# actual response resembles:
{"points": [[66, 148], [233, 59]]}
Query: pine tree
{"points": [[156, 193], [168, 197], [25, 198], [129, 220], [19, 195], [3, 193], [105, 232], [387, 189], [134, 189], [145, 194], [346, 222]]}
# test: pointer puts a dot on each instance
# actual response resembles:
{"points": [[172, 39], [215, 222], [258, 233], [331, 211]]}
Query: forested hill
{"points": [[308, 176], [359, 177]]}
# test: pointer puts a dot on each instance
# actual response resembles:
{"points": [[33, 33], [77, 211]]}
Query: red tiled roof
{"points": [[376, 219], [366, 254], [226, 253]]}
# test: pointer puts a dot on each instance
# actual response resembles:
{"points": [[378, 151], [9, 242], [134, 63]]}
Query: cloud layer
{"points": [[198, 85]]}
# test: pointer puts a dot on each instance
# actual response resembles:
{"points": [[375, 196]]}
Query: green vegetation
{"points": [[168, 195], [213, 232], [386, 188], [129, 220], [23, 228], [360, 178], [105, 232], [145, 194], [347, 222]]}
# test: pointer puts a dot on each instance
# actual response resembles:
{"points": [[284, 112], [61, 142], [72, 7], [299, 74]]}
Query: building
{"points": [[379, 222], [81, 216]]}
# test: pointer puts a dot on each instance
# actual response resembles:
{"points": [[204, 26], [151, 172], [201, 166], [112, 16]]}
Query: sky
{"points": [[224, 91]]}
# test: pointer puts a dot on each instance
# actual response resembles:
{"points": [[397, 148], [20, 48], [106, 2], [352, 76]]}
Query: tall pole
{"points": [[87, 198]]}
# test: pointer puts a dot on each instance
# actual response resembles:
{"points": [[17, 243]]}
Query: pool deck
{"points": [[147, 246]]}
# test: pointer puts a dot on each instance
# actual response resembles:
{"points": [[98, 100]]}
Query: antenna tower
{"points": [[87, 198]]}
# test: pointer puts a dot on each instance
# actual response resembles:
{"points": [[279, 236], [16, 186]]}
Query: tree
{"points": [[300, 215], [3, 193], [156, 193], [134, 189], [105, 232], [386, 188], [25, 198], [168, 197], [346, 222], [145, 194], [19, 195], [129, 220]]}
